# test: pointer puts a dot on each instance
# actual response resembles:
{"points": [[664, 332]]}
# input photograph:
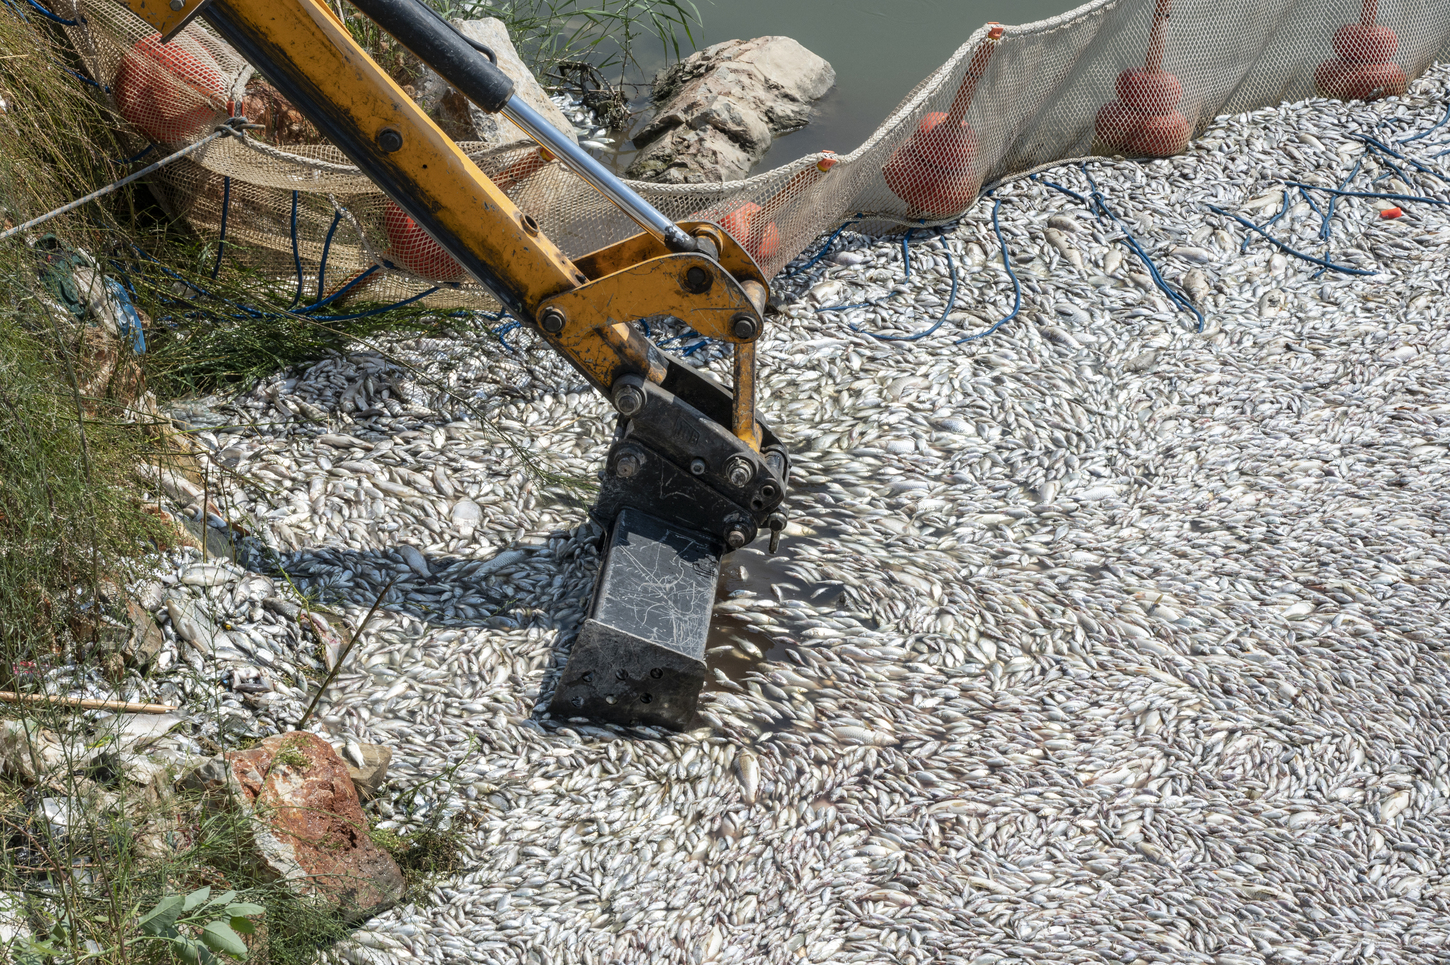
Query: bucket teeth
{"points": [[640, 655]]}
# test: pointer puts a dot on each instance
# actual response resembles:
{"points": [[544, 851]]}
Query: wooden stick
{"points": [[85, 703]]}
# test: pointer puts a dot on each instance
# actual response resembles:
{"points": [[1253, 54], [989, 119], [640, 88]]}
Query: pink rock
{"points": [[308, 827]]}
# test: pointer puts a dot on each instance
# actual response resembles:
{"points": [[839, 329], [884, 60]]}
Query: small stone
{"points": [[28, 752], [367, 765]]}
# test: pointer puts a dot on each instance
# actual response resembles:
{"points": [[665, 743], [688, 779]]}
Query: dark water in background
{"points": [[880, 49]]}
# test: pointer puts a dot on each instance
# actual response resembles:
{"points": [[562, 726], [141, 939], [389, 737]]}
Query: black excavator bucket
{"points": [[640, 656]]}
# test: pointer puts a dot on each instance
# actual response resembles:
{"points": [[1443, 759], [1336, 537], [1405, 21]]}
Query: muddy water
{"points": [[880, 50]]}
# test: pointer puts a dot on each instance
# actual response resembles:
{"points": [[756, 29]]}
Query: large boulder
{"points": [[307, 827], [464, 121], [719, 109]]}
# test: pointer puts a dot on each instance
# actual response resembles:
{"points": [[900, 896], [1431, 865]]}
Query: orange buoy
{"points": [[1145, 119], [170, 91], [1389, 213], [935, 170], [753, 226], [414, 249], [1363, 68], [753, 231]]}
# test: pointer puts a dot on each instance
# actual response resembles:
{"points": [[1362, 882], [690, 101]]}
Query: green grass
{"points": [[73, 527]]}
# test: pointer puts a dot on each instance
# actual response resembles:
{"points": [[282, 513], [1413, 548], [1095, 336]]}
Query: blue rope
{"points": [[1331, 266], [1326, 225], [134, 158], [50, 16], [1096, 203], [222, 238], [1372, 194], [906, 253], [379, 311], [1439, 124], [500, 332], [1244, 248], [824, 248], [339, 293], [1138, 250], [951, 303], [1386, 149], [82, 77], [1007, 264], [326, 246], [296, 255]]}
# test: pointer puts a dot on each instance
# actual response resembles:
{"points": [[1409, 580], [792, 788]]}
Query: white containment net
{"points": [[1129, 77]]}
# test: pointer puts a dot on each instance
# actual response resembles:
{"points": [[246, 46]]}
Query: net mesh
{"points": [[1132, 77]]}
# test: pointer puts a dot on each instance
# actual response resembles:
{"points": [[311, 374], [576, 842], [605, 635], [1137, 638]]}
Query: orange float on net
{"points": [[1145, 120], [169, 91], [414, 249], [935, 171], [1363, 68], [753, 226], [753, 231]]}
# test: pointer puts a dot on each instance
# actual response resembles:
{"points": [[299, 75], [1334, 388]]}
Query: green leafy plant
{"points": [[198, 924]]}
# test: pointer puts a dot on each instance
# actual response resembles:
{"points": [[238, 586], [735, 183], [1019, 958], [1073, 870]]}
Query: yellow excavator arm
{"points": [[693, 473]]}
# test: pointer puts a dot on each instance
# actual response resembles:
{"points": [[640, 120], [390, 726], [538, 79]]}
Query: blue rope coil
{"points": [[951, 302], [1329, 265], [824, 248], [1006, 264], [50, 16], [326, 247], [222, 236]]}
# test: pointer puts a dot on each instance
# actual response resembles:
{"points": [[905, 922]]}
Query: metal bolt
{"points": [[389, 140], [735, 537], [697, 280], [739, 471], [628, 464], [776, 522], [698, 466], [552, 321], [656, 673], [628, 400], [178, 4], [743, 326]]}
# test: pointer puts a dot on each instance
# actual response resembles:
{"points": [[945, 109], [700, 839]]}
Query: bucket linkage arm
{"points": [[692, 473]]}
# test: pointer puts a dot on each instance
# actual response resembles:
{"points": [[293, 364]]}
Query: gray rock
{"points": [[720, 107], [145, 641], [28, 752], [367, 765]]}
